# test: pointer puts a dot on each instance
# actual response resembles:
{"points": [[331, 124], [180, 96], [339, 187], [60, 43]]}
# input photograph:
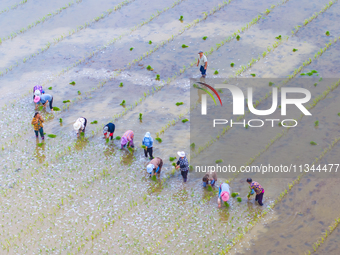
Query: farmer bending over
{"points": [[127, 138], [80, 125], [209, 179], [44, 99], [223, 193], [258, 190], [109, 128], [155, 166]]}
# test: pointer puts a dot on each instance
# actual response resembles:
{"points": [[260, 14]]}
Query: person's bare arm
{"points": [[45, 103], [198, 61], [206, 65]]}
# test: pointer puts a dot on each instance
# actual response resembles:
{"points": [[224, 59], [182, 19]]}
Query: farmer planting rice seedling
{"points": [[43, 99], [269, 110]]}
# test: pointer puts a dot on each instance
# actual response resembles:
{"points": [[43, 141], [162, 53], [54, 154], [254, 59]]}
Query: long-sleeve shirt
{"points": [[257, 187], [156, 162], [44, 98], [183, 164], [37, 125], [129, 135], [212, 179], [111, 127], [223, 187], [148, 141]]}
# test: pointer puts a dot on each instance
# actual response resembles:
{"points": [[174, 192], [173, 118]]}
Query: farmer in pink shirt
{"points": [[127, 138], [258, 190]]}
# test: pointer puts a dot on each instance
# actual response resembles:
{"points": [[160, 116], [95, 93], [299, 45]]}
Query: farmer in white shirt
{"points": [[203, 63]]}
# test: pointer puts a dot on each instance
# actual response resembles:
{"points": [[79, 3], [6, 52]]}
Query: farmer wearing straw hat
{"points": [[127, 139], [148, 143], [183, 164], [109, 128], [155, 166], [44, 99], [202, 62], [258, 189], [80, 125], [223, 193]]}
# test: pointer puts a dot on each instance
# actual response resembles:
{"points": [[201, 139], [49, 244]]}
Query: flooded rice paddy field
{"points": [[77, 196]]}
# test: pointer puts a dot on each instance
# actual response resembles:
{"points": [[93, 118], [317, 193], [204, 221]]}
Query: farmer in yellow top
{"points": [[37, 122]]}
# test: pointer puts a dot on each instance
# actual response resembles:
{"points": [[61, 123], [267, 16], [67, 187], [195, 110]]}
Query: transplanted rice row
{"points": [[14, 6]]}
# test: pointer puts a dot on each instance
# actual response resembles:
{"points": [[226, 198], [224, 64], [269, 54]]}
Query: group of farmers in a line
{"points": [[154, 167]]}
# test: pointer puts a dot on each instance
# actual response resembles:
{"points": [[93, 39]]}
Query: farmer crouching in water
{"points": [[44, 99], [155, 166], [258, 190], [148, 143], [127, 138], [223, 193], [37, 122], [80, 125], [183, 164], [108, 130], [209, 179]]}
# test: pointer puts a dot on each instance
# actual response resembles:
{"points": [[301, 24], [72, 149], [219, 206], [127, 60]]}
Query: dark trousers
{"points": [[150, 151], [41, 131], [203, 71], [259, 198], [185, 175]]}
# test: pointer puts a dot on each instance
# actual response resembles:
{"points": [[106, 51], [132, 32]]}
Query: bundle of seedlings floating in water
{"points": [[216, 72], [271, 83], [73, 83], [310, 73], [327, 33], [294, 50], [122, 103], [238, 37], [118, 138], [66, 101], [172, 158], [218, 161], [154, 178], [205, 38], [316, 123], [313, 143], [141, 116], [234, 194], [252, 74], [185, 120], [179, 103], [239, 199], [79, 93], [181, 18], [56, 109], [60, 120], [158, 139], [131, 48], [143, 146], [192, 146], [209, 188], [226, 204], [50, 88], [278, 37], [40, 144], [184, 46], [51, 136], [150, 42], [121, 85], [94, 122], [149, 68], [232, 64], [158, 77]]}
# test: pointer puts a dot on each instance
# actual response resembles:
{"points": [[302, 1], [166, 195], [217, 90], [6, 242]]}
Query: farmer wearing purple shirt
{"points": [[258, 190]]}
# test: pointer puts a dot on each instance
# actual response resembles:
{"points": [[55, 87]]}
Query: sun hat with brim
{"points": [[181, 154], [37, 92], [77, 125], [200, 52], [147, 134], [149, 168], [225, 196], [36, 99]]}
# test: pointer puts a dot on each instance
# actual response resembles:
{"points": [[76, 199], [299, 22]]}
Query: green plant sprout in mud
{"points": [[121, 85], [205, 38], [295, 50], [73, 83], [149, 68], [158, 77], [179, 103], [122, 103], [216, 72], [313, 143], [232, 64], [181, 18], [184, 46]]}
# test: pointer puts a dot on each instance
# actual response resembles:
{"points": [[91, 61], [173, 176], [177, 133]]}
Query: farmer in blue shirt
{"points": [[44, 99], [148, 143]]}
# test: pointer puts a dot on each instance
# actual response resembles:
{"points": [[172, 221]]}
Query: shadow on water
{"points": [[39, 151]]}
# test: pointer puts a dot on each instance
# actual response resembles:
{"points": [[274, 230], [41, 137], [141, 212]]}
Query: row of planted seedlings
{"points": [[13, 6], [264, 55], [27, 99], [39, 21]]}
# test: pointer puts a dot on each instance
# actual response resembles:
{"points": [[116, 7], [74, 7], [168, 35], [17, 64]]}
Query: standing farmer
{"points": [[183, 164], [148, 143], [209, 179], [109, 128], [37, 122], [44, 99], [155, 166], [80, 125], [127, 138], [202, 62], [258, 190], [223, 193]]}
